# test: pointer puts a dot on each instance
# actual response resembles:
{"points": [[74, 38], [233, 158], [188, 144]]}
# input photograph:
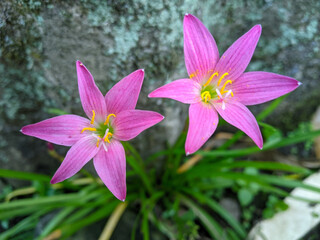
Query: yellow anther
{"points": [[109, 135], [231, 93], [108, 118], [88, 129], [93, 115], [224, 85], [192, 75], [211, 77], [206, 96], [222, 77], [98, 140]]}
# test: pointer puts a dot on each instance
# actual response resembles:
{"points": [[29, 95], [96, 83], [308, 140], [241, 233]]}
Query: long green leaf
{"points": [[23, 175], [56, 220], [205, 168], [212, 226], [221, 211], [24, 225], [247, 151], [100, 213], [141, 172]]}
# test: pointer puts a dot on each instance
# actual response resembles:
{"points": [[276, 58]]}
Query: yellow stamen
{"points": [[108, 118], [231, 93], [109, 135], [98, 140], [209, 80], [93, 115], [224, 85], [222, 77], [88, 129], [206, 96]]}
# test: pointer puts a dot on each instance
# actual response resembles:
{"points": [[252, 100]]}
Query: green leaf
{"points": [[100, 213], [24, 175], [247, 151], [245, 197], [216, 207], [25, 224], [56, 111], [141, 172], [206, 168], [212, 226], [57, 219]]}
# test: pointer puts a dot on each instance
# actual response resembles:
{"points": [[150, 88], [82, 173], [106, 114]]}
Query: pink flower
{"points": [[219, 85], [113, 118]]}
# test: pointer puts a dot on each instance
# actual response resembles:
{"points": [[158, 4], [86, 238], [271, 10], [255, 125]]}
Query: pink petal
{"points": [[203, 121], [236, 59], [63, 130], [183, 90], [239, 116], [200, 50], [258, 87], [129, 124], [78, 155], [124, 95], [111, 168], [90, 95]]}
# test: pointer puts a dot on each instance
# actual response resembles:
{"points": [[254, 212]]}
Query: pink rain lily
{"points": [[113, 118], [219, 85]]}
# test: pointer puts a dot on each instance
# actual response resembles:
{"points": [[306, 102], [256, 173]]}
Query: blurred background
{"points": [[41, 40]]}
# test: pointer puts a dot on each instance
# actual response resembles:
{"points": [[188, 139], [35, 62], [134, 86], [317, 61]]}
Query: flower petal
{"points": [[124, 95], [200, 49], [236, 59], [90, 95], [239, 116], [203, 121], [182, 90], [78, 155], [129, 124], [111, 168], [63, 130], [258, 87]]}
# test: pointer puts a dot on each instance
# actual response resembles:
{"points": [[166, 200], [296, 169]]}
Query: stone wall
{"points": [[41, 40]]}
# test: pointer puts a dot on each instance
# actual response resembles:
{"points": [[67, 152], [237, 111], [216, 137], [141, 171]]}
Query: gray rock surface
{"points": [[41, 40]]}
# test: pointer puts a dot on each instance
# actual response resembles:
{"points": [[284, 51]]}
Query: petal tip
{"points": [[24, 130], [299, 83], [151, 95], [188, 16], [258, 27], [121, 197], [53, 181], [79, 63], [260, 145], [187, 153]]}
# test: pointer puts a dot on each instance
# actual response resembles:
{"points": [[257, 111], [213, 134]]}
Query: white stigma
{"points": [[106, 133], [104, 146], [228, 93], [219, 93], [223, 105]]}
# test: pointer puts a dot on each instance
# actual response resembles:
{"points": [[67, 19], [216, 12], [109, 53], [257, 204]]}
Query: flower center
{"points": [[214, 92], [102, 131]]}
